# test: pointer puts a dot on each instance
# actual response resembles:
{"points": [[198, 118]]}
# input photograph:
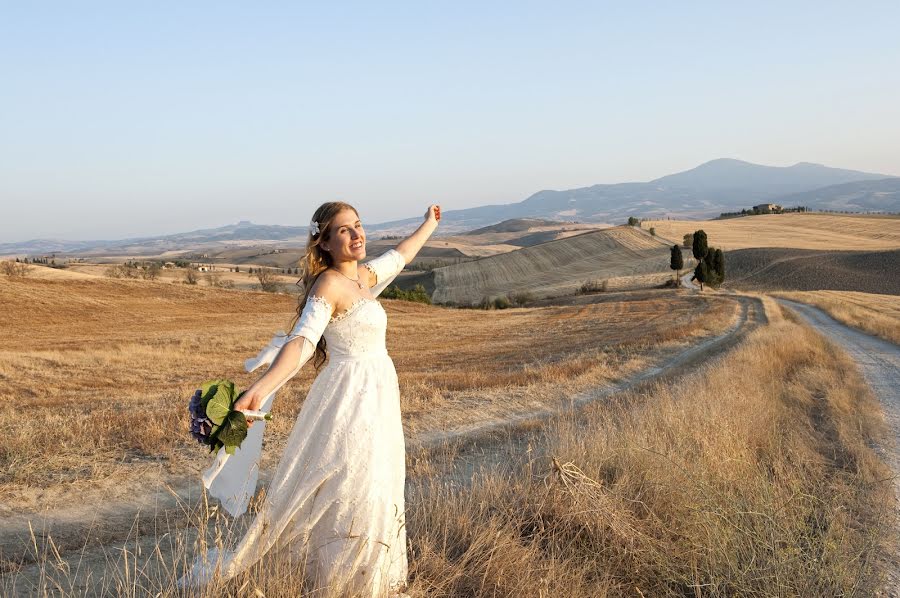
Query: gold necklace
{"points": [[357, 281]]}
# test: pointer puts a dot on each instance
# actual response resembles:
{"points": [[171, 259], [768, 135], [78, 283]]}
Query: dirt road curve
{"points": [[879, 362]]}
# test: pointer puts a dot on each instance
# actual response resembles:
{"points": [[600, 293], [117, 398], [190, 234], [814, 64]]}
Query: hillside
{"points": [[800, 231], [777, 269], [624, 256], [515, 225]]}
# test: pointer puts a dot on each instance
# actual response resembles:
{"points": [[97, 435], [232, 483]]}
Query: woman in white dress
{"points": [[336, 499]]}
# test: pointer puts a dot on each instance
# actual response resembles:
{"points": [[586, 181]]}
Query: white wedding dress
{"points": [[336, 499]]}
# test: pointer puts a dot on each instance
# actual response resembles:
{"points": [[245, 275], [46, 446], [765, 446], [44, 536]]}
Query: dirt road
{"points": [[879, 362]]}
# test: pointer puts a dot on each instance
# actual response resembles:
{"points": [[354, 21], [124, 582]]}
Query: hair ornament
{"points": [[314, 227]]}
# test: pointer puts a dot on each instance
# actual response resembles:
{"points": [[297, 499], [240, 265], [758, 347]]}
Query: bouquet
{"points": [[214, 421]]}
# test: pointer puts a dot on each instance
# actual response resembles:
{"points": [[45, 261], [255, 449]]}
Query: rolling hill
{"points": [[624, 256], [799, 231], [779, 269]]}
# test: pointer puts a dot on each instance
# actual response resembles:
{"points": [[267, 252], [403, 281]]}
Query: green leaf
{"points": [[219, 406], [217, 409], [234, 430], [208, 389]]}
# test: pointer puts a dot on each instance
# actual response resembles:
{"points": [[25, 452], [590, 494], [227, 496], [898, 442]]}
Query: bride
{"points": [[335, 502]]}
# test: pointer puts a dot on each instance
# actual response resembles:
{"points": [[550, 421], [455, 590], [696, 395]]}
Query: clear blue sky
{"points": [[130, 118]]}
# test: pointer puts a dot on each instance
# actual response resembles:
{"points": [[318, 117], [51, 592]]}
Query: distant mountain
{"points": [[244, 232], [882, 195], [722, 185], [735, 180], [707, 190]]}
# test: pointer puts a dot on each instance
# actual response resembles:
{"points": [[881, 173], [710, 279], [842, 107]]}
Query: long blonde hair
{"points": [[316, 260]]}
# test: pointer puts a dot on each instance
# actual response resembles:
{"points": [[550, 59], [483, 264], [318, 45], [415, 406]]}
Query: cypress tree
{"points": [[700, 247], [719, 265], [701, 272], [676, 262]]}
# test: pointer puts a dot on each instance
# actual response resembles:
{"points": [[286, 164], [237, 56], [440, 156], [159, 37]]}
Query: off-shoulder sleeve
{"points": [[312, 323], [313, 319], [385, 267]]}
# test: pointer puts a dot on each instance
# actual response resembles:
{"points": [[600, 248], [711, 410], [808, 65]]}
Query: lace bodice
{"points": [[358, 330]]}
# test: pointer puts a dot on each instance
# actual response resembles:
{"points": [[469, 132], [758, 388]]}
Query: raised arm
{"points": [[411, 245]]}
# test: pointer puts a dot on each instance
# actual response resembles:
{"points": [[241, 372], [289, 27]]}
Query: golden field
{"points": [[799, 231], [753, 475], [108, 366]]}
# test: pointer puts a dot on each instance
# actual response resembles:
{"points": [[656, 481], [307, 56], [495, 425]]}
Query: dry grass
{"points": [[107, 366], [876, 314], [753, 477], [801, 231]]}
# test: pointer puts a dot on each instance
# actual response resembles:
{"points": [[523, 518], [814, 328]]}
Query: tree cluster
{"points": [[132, 269], [710, 261]]}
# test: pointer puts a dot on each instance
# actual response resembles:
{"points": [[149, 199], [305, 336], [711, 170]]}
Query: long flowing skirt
{"points": [[336, 500]]}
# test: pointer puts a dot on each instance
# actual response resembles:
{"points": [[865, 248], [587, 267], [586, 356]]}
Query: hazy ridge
{"points": [[707, 190]]}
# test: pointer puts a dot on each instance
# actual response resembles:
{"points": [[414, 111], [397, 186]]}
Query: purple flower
{"points": [[201, 426], [195, 406]]}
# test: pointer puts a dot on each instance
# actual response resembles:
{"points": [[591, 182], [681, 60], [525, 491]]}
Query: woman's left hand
{"points": [[433, 213]]}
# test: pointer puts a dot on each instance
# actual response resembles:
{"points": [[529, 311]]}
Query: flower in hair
{"points": [[314, 227]]}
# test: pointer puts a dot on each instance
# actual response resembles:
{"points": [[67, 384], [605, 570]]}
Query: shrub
{"points": [[417, 294], [15, 269], [214, 279], [267, 280], [151, 272], [501, 302], [522, 298], [688, 240], [190, 276], [652, 232], [593, 286]]}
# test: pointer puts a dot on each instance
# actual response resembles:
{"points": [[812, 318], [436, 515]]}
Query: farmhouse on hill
{"points": [[767, 208]]}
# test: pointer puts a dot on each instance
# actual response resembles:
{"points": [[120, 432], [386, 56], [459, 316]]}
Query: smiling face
{"points": [[346, 238]]}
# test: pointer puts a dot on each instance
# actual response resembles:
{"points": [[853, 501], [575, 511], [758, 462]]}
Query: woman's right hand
{"points": [[433, 213], [251, 400]]}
